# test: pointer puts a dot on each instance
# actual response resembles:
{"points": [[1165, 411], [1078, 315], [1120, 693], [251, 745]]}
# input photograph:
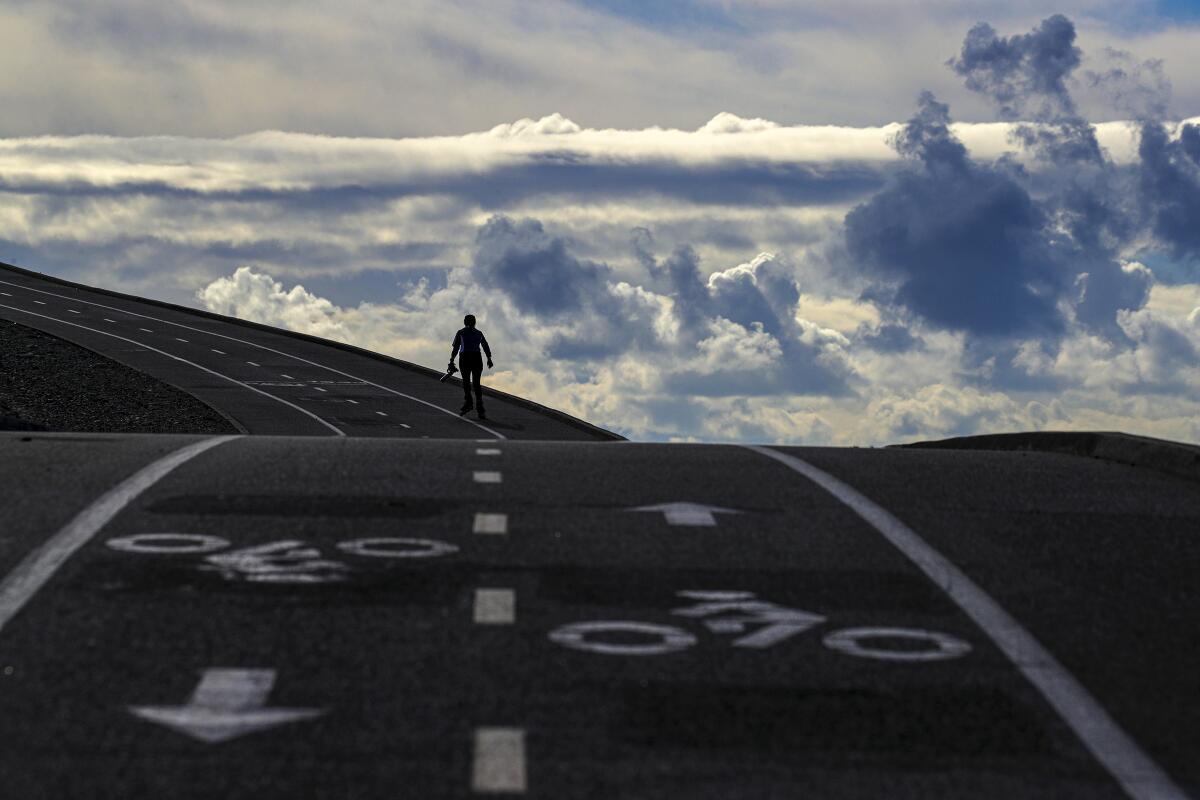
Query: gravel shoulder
{"points": [[50, 384]]}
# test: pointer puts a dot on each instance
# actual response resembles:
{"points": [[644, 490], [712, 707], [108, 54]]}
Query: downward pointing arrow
{"points": [[226, 703], [692, 514]]}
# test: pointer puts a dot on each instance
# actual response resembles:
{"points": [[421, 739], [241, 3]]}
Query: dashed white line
{"points": [[6, 294], [73, 311], [251, 363], [147, 330], [106, 319], [491, 523], [289, 377], [180, 340], [39, 566], [319, 389], [352, 402], [218, 352], [1139, 776], [405, 425], [381, 413], [40, 302], [495, 607], [498, 764], [487, 477], [486, 451]]}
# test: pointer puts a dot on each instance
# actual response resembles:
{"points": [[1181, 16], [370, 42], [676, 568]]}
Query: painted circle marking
{"points": [[667, 639], [385, 548], [942, 645], [168, 543]]}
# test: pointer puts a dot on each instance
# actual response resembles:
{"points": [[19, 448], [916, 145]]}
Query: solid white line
{"points": [[495, 607], [499, 761], [487, 477], [20, 585], [491, 523], [1138, 775], [306, 412], [486, 451], [218, 352], [396, 392]]}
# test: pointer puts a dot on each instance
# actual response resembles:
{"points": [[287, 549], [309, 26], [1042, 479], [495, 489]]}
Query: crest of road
{"points": [[365, 595]]}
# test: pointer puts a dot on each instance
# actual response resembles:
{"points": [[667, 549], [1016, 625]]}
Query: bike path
{"points": [[573, 648], [268, 381]]}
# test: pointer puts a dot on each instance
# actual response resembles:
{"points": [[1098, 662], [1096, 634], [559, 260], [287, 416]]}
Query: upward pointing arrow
{"points": [[225, 704], [692, 514]]}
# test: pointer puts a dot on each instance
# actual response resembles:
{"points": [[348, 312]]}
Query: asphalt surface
{"points": [[349, 617], [268, 381]]}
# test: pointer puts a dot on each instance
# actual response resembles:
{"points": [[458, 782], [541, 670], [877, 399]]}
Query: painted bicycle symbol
{"points": [[285, 561], [756, 624]]}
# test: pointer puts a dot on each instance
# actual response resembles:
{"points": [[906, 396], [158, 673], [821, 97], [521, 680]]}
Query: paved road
{"points": [[269, 381], [341, 617]]}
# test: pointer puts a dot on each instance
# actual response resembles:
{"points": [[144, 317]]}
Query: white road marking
{"points": [[353, 402], [495, 434], [40, 565], [404, 425], [666, 638], [495, 607], [851, 642], [170, 543], [319, 389], [218, 352], [491, 523], [180, 340], [498, 764], [147, 330], [486, 476], [227, 703], [381, 413], [689, 514], [287, 561], [251, 363], [486, 451], [778, 623], [289, 377], [386, 547], [73, 311], [40, 302], [6, 294], [337, 431], [1138, 774]]}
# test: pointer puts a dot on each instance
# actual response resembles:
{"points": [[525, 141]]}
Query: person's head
{"points": [[469, 320]]}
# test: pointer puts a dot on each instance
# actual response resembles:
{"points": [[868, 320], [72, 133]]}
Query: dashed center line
{"points": [[491, 523], [289, 377], [495, 607], [40, 302], [147, 330], [218, 352], [73, 311], [381, 413], [487, 476], [403, 425], [6, 294], [180, 340], [106, 319], [319, 389], [498, 764], [251, 363], [352, 402], [486, 451]]}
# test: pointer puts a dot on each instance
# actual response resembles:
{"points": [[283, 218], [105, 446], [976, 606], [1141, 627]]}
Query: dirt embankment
{"points": [[50, 384]]}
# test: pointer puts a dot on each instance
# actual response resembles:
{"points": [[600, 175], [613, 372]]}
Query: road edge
{"points": [[1174, 458], [554, 413]]}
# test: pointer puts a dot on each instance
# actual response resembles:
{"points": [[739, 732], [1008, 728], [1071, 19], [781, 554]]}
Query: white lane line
{"points": [[405, 425], [180, 340], [1139, 776], [147, 330], [106, 319], [40, 302], [319, 389], [73, 311], [352, 402], [398, 393], [336, 431], [495, 607], [251, 363], [491, 523], [486, 451], [498, 764], [20, 585], [381, 413], [6, 294], [218, 352], [289, 377], [487, 477]]}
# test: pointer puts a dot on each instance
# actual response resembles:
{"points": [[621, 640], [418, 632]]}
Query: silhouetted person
{"points": [[466, 344]]}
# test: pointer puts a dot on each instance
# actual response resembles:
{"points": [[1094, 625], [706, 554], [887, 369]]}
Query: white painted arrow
{"points": [[692, 514], [227, 703]]}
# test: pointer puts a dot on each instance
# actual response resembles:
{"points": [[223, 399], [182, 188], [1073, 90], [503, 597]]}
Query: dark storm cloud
{"points": [[1169, 175]]}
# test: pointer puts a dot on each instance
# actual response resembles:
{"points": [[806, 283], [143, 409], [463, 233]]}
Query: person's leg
{"points": [[477, 376], [466, 365]]}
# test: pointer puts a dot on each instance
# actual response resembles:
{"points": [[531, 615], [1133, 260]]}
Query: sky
{"points": [[832, 223]]}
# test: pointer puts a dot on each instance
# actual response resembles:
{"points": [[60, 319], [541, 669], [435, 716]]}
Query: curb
{"points": [[1161, 455], [553, 413]]}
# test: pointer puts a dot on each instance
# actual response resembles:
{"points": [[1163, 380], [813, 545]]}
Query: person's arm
{"points": [[483, 343], [455, 345]]}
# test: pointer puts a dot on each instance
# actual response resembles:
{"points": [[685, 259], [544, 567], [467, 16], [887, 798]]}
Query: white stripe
{"points": [[1138, 775], [251, 363], [337, 431], [289, 377], [319, 389], [491, 523], [499, 761], [381, 413], [73, 311], [218, 352], [355, 402], [403, 425], [39, 302], [106, 319], [6, 294], [180, 340], [487, 477], [147, 330], [20, 585], [486, 451], [495, 607], [396, 392]]}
